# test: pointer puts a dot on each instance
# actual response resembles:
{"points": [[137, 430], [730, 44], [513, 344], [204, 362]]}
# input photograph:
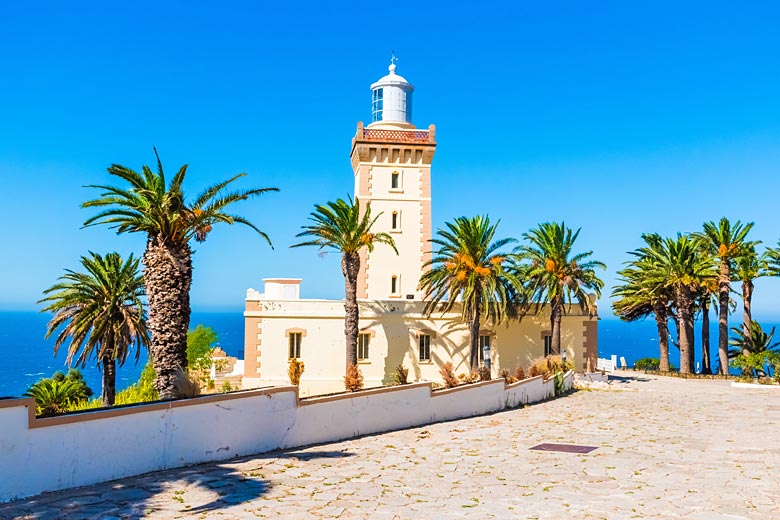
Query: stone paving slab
{"points": [[667, 448]]}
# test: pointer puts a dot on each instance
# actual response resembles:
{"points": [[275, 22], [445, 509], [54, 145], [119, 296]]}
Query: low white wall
{"points": [[55, 453]]}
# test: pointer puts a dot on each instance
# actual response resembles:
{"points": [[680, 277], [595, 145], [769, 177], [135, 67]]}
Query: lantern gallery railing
{"points": [[404, 136]]}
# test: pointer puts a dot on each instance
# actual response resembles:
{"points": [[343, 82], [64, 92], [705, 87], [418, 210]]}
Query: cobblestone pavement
{"points": [[667, 448]]}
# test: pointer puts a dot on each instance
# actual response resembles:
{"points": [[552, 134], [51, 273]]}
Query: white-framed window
{"points": [[425, 347], [364, 340], [395, 181], [394, 285], [547, 345], [295, 339]]}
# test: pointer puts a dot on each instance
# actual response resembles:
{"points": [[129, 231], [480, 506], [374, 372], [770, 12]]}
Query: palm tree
{"points": [[102, 313], [707, 291], [55, 396], [469, 268], [725, 242], [557, 275], [159, 209], [747, 267], [680, 267], [758, 342], [640, 294], [773, 260], [342, 226]]}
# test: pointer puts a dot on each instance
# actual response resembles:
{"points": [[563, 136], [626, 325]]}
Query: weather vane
{"points": [[393, 59]]}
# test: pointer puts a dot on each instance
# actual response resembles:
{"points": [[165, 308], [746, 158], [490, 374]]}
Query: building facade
{"points": [[391, 160]]}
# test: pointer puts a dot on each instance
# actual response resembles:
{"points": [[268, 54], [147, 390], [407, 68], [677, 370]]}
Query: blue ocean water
{"points": [[25, 356]]}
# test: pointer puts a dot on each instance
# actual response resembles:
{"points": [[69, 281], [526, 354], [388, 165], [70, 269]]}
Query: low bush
{"points": [[520, 373], [484, 373], [647, 363], [471, 377], [401, 374], [447, 372], [295, 371], [549, 366], [353, 381], [186, 386], [227, 387], [508, 379]]}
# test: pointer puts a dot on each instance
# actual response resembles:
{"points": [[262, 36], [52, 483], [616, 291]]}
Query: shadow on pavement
{"points": [[181, 493]]}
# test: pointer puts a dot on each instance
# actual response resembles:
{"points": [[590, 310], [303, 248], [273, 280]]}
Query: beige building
{"points": [[391, 160]]}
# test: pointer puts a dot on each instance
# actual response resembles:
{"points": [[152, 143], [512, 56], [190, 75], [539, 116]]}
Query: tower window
{"points": [[395, 181], [394, 221], [394, 285], [425, 347], [484, 341], [377, 104], [295, 345]]}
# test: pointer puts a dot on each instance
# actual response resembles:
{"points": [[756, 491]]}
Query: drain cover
{"points": [[565, 448]]}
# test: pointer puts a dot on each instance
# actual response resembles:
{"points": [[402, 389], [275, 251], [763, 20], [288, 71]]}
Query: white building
{"points": [[391, 160]]}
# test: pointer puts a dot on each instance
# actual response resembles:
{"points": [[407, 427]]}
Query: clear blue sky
{"points": [[612, 116]]}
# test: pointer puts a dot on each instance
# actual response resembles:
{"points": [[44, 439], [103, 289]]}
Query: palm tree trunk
{"points": [[747, 316], [555, 320], [705, 335], [474, 331], [168, 277], [350, 266], [109, 380], [685, 318], [662, 324], [724, 286]]}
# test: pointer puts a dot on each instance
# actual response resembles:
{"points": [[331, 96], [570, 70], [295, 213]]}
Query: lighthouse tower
{"points": [[392, 159]]}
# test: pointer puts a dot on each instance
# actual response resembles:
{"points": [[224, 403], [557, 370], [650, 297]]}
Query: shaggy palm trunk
{"points": [[705, 335], [555, 322], [167, 277], [350, 266], [747, 316], [109, 380], [724, 287], [662, 324], [685, 318], [474, 331]]}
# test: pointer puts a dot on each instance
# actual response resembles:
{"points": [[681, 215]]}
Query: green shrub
{"points": [[59, 393], [142, 391], [647, 363]]}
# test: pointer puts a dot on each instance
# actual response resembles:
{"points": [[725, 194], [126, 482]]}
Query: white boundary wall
{"points": [[49, 454]]}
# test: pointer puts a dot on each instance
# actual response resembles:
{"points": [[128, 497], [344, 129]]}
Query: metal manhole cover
{"points": [[565, 448]]}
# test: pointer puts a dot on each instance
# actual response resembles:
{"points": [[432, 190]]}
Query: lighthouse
{"points": [[391, 160]]}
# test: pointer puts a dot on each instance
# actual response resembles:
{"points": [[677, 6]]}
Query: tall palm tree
{"points": [[470, 268], [102, 313], [342, 226], [747, 267], [151, 205], [724, 241], [557, 275], [680, 266], [640, 294], [708, 289]]}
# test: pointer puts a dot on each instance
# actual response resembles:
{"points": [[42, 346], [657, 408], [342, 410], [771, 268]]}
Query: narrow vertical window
{"points": [[295, 345], [548, 346], [394, 220], [395, 180], [484, 341], [425, 347], [362, 347], [377, 103], [394, 285]]}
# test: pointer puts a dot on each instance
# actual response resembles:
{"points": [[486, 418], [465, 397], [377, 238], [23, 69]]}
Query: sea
{"points": [[26, 356]]}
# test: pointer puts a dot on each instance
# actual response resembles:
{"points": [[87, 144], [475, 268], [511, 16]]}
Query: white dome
{"points": [[393, 79]]}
